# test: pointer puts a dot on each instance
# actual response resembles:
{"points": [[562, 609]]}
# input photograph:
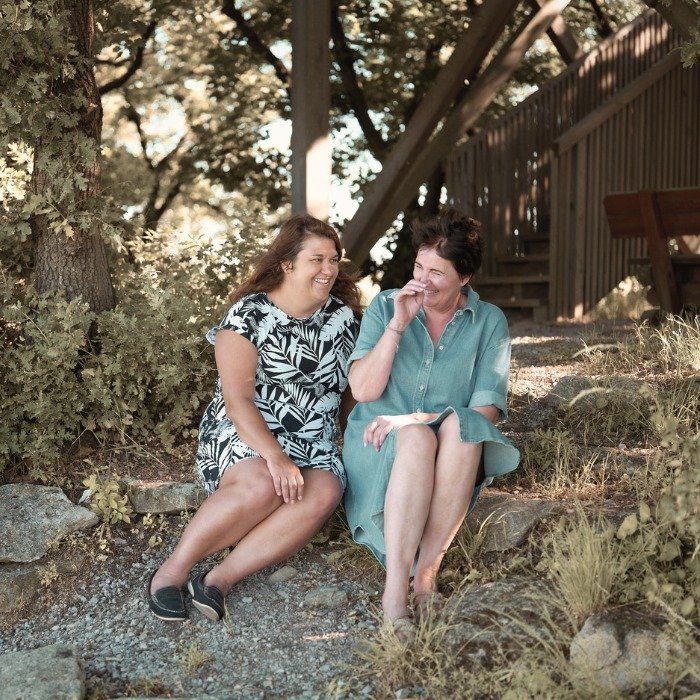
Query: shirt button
{"points": [[427, 362], [421, 387], [442, 347]]}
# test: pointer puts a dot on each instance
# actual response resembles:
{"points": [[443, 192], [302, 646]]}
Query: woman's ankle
{"points": [[395, 607], [168, 576]]}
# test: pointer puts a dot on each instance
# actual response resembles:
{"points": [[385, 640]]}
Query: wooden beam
{"points": [[561, 36], [311, 100], [469, 53], [661, 267], [392, 193]]}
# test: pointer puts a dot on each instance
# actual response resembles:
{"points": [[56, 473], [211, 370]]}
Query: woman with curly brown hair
{"points": [[430, 373], [267, 455]]}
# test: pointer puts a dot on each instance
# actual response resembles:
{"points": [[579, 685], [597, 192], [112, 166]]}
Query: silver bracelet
{"points": [[388, 325]]}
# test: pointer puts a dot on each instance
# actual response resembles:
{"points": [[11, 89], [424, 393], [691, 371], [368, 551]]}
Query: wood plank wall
{"points": [[502, 175], [650, 142]]}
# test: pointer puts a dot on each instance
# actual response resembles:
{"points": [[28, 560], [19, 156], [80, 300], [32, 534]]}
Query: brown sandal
{"points": [[427, 605], [404, 630]]}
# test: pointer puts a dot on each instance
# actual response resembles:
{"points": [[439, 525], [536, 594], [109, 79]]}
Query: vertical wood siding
{"points": [[506, 175]]}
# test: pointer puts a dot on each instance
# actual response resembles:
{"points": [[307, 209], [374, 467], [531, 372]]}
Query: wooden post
{"points": [[563, 39], [311, 100], [661, 267]]}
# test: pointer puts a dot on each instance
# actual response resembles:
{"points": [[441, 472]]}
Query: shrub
{"points": [[149, 371], [150, 379]]}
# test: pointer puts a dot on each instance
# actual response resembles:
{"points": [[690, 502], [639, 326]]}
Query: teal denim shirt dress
{"points": [[467, 367]]}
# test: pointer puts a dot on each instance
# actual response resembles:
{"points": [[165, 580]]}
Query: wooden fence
{"points": [[646, 137], [503, 175]]}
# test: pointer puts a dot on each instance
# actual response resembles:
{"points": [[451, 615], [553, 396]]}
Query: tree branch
{"points": [[135, 118], [135, 64], [605, 26], [430, 69], [353, 90], [152, 214], [230, 10], [163, 162]]}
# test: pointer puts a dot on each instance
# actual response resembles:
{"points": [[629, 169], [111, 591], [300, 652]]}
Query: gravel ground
{"points": [[291, 639], [288, 639]]}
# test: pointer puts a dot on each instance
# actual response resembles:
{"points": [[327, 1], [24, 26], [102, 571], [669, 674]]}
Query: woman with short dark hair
{"points": [[430, 373]]}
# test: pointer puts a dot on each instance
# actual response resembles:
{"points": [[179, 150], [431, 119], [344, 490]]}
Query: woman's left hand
{"points": [[377, 430]]}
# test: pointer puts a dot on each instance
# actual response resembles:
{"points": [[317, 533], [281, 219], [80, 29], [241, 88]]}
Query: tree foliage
{"points": [[192, 150]]}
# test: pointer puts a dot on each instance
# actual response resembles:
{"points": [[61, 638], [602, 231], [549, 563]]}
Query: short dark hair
{"points": [[455, 237]]}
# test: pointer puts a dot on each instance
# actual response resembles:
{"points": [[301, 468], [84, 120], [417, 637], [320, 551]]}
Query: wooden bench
{"points": [[659, 215]]}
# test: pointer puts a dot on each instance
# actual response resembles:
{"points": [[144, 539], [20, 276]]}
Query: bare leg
{"points": [[245, 497], [456, 469], [286, 530], [405, 512]]}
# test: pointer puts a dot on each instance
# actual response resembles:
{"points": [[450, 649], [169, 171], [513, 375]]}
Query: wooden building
{"points": [[626, 116], [622, 118]]}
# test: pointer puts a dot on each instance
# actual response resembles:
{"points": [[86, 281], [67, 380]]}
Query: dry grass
{"points": [[193, 657], [587, 564], [672, 349], [554, 465]]}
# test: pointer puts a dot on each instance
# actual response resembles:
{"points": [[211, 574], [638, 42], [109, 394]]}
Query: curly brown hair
{"points": [[268, 274]]}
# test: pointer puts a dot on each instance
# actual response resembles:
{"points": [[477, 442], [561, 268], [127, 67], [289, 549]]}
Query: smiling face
{"points": [[314, 270], [443, 282]]}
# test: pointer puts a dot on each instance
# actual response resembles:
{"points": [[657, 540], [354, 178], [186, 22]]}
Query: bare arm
{"points": [[236, 361], [347, 403], [369, 375], [491, 413]]}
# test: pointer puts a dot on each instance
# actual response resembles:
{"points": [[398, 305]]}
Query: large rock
{"points": [[620, 653], [19, 585], [286, 573], [32, 517], [506, 520], [484, 619], [326, 597], [48, 673], [170, 497]]}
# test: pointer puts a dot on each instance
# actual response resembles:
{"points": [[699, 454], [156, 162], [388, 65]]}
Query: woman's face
{"points": [[443, 283], [315, 268]]}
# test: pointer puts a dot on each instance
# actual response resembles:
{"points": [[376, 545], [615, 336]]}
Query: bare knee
{"points": [[254, 488], [449, 429], [418, 438], [322, 496]]}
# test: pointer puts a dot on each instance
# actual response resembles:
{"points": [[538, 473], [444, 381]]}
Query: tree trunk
{"points": [[75, 264]]}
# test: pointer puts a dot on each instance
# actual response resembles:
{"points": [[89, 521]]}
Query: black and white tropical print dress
{"points": [[300, 376]]}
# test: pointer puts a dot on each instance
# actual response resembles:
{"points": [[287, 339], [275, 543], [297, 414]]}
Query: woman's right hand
{"points": [[407, 302], [286, 477]]}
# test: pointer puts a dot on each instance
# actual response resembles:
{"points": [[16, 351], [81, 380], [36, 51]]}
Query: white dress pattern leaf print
{"points": [[300, 375]]}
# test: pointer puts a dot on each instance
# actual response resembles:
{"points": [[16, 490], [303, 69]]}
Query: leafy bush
{"points": [[150, 376], [140, 372]]}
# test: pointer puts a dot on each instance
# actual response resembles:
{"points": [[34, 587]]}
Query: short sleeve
{"points": [[242, 318], [491, 370], [372, 326]]}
